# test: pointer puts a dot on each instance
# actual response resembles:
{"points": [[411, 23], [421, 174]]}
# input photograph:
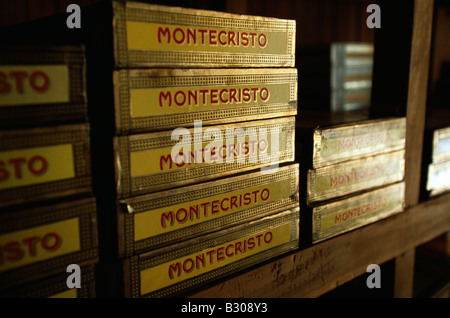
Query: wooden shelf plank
{"points": [[318, 269]]}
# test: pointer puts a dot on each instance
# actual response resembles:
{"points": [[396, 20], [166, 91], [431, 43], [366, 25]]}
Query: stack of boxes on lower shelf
{"points": [[336, 77], [354, 176], [48, 214], [194, 202], [204, 123]]}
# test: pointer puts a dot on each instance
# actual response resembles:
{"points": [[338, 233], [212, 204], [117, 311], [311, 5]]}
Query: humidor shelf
{"points": [[400, 88], [316, 270], [313, 271]]}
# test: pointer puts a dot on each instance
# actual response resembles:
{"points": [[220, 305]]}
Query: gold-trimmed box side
{"points": [[166, 217], [161, 273], [45, 162], [42, 85], [150, 99], [438, 178], [344, 215], [336, 180], [271, 142], [349, 141], [45, 240], [145, 36]]}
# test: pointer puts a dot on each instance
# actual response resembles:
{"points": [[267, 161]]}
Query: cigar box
{"points": [[163, 218], [338, 143], [45, 240], [341, 179], [161, 160], [43, 163], [158, 99], [438, 180], [182, 267], [340, 216], [41, 85]]}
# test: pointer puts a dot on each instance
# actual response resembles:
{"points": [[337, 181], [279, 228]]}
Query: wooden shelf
{"points": [[318, 269], [321, 268]]}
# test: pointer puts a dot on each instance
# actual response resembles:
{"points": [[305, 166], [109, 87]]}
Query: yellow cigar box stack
{"points": [[192, 130], [204, 118], [47, 211], [354, 176]]}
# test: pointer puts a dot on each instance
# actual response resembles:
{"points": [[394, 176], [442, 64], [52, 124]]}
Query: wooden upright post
{"points": [[415, 124]]}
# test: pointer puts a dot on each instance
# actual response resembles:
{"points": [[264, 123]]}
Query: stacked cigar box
{"points": [[193, 123], [353, 172], [204, 119], [47, 210], [336, 77], [436, 161]]}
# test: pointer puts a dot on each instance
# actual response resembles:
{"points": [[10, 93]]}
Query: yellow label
{"points": [[30, 166], [40, 243], [195, 264], [181, 38], [172, 218], [34, 84], [70, 293], [357, 174], [145, 102], [361, 210], [367, 143]]}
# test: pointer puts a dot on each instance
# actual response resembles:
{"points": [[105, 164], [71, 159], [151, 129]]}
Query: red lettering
{"points": [[221, 204], [17, 162], [220, 255], [18, 77], [268, 237], [231, 36], [188, 265], [174, 268], [165, 32], [47, 241], [215, 206], [165, 159], [244, 41], [34, 81], [31, 242], [262, 40], [4, 173], [168, 216], [5, 87], [41, 165], [178, 40], [226, 251], [203, 31], [13, 251], [220, 38], [212, 37], [191, 34], [184, 215]]}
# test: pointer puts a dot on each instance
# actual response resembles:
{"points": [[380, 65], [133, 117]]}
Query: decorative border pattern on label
{"points": [[342, 216], [169, 98], [265, 239], [231, 41], [166, 217], [144, 163]]}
